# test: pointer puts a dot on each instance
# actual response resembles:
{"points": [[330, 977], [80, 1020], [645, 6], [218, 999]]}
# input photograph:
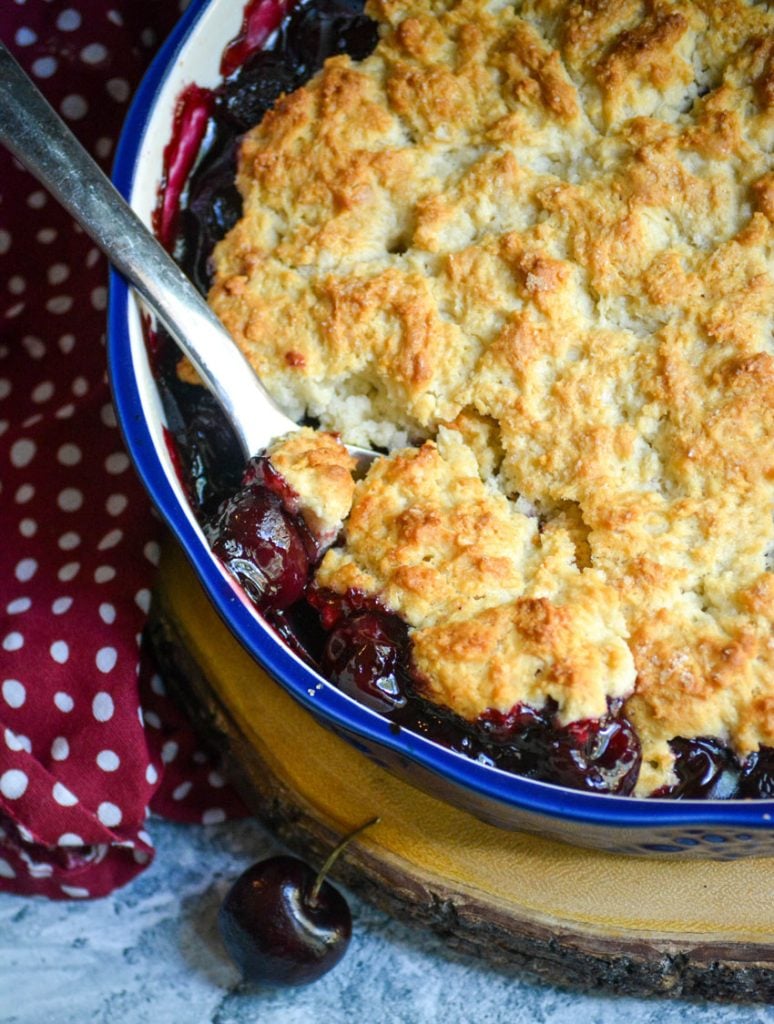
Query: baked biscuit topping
{"points": [[548, 225]]}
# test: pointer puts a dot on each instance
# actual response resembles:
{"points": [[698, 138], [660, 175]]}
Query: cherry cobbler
{"points": [[525, 250]]}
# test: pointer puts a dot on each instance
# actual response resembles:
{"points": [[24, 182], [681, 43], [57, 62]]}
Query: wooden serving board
{"points": [[699, 929]]}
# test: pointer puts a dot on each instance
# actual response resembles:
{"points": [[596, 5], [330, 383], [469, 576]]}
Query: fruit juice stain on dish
{"points": [[250, 517]]}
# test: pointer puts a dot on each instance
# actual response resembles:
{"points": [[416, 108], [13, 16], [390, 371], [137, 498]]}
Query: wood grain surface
{"points": [[700, 929]]}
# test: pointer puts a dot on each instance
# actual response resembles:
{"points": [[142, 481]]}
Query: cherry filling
{"points": [[366, 657], [600, 755], [757, 778], [266, 548], [705, 769]]}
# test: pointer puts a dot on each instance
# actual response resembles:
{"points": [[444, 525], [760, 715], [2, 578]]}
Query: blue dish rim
{"points": [[326, 702]]}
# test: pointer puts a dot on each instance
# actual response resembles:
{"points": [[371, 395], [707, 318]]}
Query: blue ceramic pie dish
{"points": [[686, 828]]}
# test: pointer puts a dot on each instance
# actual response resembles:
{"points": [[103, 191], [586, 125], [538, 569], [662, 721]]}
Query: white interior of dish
{"points": [[197, 61]]}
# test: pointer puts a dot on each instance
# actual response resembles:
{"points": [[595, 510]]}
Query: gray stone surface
{"points": [[150, 954]]}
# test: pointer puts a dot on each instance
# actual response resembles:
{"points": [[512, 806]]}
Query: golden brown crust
{"points": [[319, 469], [548, 225]]}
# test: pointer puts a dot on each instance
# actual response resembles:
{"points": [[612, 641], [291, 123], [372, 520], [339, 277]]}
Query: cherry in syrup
{"points": [[705, 768]]}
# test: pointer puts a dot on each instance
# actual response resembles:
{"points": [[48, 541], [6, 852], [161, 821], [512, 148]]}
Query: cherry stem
{"points": [[333, 856]]}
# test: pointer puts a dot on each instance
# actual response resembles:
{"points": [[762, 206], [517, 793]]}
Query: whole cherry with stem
{"points": [[283, 924]]}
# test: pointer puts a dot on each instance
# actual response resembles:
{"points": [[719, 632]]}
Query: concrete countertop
{"points": [[151, 954]]}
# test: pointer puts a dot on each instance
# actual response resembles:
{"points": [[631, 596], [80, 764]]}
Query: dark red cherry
{"points": [[757, 779], [277, 930], [365, 657], [262, 546], [705, 769], [597, 754], [507, 726]]}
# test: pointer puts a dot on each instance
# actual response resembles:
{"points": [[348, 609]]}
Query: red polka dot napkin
{"points": [[88, 739]]}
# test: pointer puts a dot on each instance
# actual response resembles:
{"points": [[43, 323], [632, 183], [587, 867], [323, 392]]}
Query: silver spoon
{"points": [[39, 139]]}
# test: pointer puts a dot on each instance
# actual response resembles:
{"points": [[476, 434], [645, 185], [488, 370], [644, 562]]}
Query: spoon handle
{"points": [[39, 139]]}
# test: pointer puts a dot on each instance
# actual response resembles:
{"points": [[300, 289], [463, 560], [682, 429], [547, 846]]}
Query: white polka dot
{"points": [[169, 751], [16, 741], [69, 20], [21, 604], [69, 454], [24, 494], [13, 641], [116, 504], [57, 273], [110, 540], [117, 463], [14, 693], [25, 37], [63, 796], [6, 871], [104, 574], [152, 552], [25, 569], [70, 499], [142, 599], [103, 147], [68, 572], [60, 304], [141, 857], [43, 391], [213, 816], [37, 199], [65, 412], [99, 297], [44, 67], [181, 792], [28, 527], [33, 346], [94, 53], [23, 452], [108, 415], [5, 387], [66, 343], [13, 784], [108, 760], [102, 707], [107, 613], [118, 89], [157, 685], [68, 541], [115, 16], [151, 775], [76, 891], [152, 719], [69, 839], [216, 780], [62, 605], [16, 284], [59, 651], [60, 749], [40, 870], [46, 236], [106, 659], [5, 241], [109, 814], [79, 387], [64, 701], [14, 311]]}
